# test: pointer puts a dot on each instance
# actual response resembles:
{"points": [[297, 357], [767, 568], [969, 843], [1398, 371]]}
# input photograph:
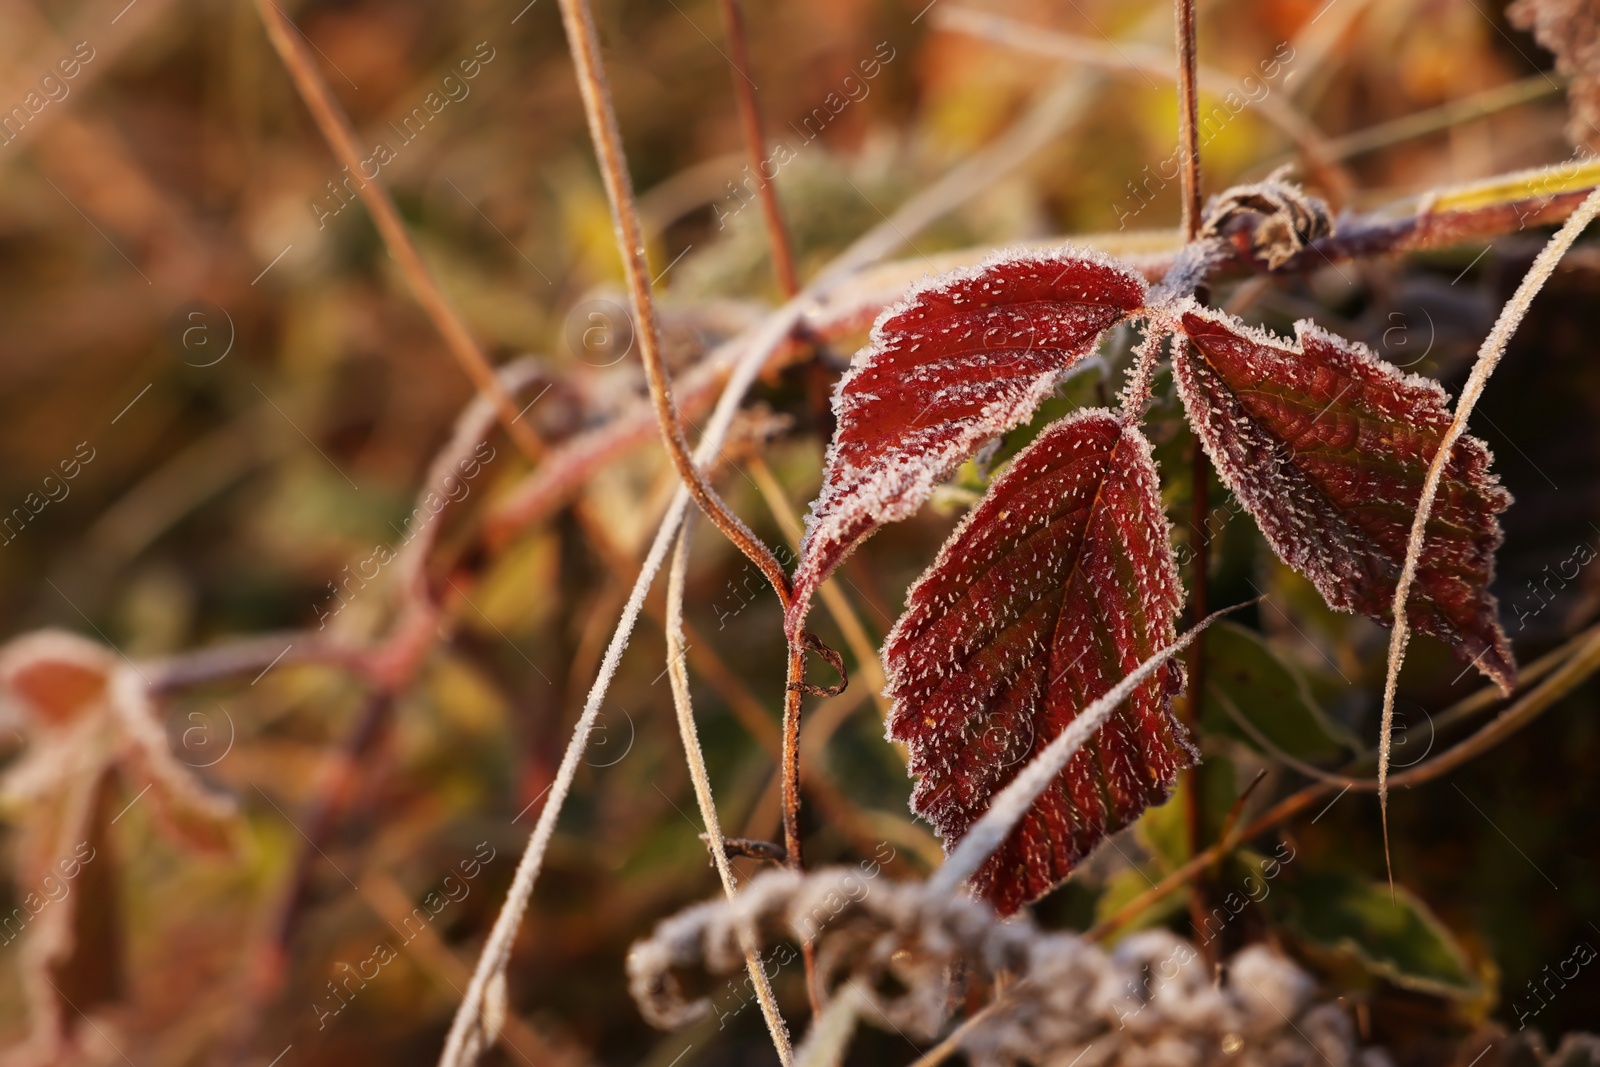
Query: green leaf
{"points": [[1400, 939], [1164, 830], [1244, 675]]}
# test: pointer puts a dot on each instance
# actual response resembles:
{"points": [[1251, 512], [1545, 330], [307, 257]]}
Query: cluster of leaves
{"points": [[1062, 579]]}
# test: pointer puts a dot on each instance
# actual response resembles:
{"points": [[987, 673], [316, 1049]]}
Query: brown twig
{"points": [[1199, 465], [595, 88], [755, 142], [1188, 116]]}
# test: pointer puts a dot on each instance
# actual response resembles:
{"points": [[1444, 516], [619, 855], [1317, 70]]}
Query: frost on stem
{"points": [[965, 357], [1328, 447], [1056, 586], [911, 954]]}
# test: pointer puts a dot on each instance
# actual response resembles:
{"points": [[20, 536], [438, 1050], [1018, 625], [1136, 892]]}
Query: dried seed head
{"points": [[1289, 218]]}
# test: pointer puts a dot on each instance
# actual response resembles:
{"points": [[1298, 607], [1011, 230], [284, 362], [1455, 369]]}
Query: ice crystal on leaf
{"points": [[1328, 447], [1058, 584], [967, 356]]}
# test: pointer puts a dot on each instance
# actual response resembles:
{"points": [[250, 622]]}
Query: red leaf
{"points": [[1059, 583], [968, 356], [1328, 447]]}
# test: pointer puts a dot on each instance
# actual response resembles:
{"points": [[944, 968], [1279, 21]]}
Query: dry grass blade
{"points": [[1027, 37], [465, 1039], [1489, 354], [678, 674], [1567, 668]]}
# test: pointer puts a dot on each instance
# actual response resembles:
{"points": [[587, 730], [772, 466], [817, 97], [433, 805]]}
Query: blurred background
{"points": [[200, 322]]}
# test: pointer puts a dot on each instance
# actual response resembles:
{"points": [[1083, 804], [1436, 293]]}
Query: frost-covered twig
{"points": [[1489, 354], [678, 675], [583, 41], [466, 1036]]}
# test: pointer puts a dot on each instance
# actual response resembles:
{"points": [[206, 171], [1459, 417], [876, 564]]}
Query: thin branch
{"points": [[1489, 354], [678, 674], [1188, 116], [755, 144], [335, 127], [584, 42]]}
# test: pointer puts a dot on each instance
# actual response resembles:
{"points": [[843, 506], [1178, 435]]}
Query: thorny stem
{"points": [[1489, 354], [755, 143], [335, 127], [595, 88], [596, 91]]}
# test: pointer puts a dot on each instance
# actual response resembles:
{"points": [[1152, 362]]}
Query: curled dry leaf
{"points": [[1057, 585], [82, 711], [965, 357], [1328, 447]]}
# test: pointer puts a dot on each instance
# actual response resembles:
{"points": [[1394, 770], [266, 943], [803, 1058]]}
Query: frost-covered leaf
{"points": [[1328, 447], [1057, 585], [967, 356]]}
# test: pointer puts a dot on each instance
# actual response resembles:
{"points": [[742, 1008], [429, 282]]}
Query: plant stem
{"points": [[1199, 465], [755, 141], [584, 42], [1188, 116]]}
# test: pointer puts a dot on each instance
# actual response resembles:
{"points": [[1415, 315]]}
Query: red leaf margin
{"points": [[987, 664], [881, 466]]}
